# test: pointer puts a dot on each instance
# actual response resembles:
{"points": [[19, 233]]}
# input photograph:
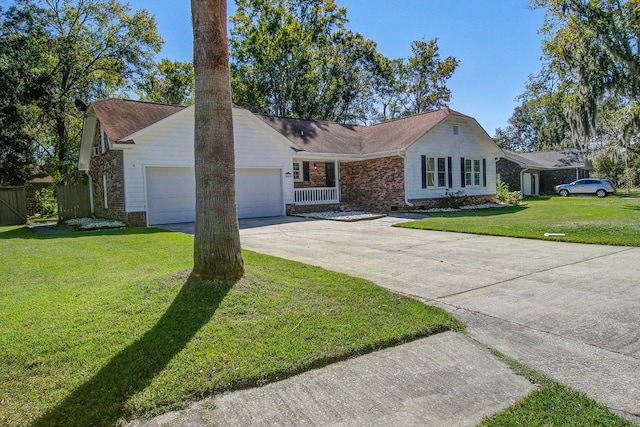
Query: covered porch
{"points": [[316, 182]]}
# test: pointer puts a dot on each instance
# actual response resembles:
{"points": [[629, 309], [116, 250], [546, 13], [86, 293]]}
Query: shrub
{"points": [[455, 199], [45, 201], [503, 195]]}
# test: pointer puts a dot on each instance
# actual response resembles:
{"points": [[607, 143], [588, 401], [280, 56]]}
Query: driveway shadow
{"points": [[102, 399]]}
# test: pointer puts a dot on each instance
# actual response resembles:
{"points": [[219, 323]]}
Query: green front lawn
{"points": [[614, 220], [552, 404], [100, 327]]}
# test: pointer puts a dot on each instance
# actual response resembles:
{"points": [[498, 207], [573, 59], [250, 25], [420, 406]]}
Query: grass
{"points": [[100, 327], [614, 220], [552, 404]]}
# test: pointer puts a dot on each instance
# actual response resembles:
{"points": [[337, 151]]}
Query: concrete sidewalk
{"points": [[447, 379]]}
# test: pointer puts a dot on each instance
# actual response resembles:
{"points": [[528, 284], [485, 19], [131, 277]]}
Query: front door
{"points": [[330, 173]]}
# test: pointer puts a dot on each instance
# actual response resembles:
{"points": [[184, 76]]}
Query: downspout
{"points": [[90, 192], [406, 197]]}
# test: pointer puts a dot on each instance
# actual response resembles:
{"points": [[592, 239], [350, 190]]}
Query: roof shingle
{"points": [[561, 159], [121, 117], [335, 138]]}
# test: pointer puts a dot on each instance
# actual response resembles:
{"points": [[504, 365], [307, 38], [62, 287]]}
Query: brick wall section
{"points": [[550, 178], [298, 209], [109, 164], [317, 176], [137, 219], [509, 173], [422, 204], [375, 185]]}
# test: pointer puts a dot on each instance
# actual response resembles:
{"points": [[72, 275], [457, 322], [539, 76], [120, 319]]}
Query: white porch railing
{"points": [[316, 196]]}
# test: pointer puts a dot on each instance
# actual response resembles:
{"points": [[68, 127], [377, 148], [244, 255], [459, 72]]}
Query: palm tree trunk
{"points": [[217, 252]]}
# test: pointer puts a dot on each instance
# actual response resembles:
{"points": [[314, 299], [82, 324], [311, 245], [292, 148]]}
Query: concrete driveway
{"points": [[571, 311]]}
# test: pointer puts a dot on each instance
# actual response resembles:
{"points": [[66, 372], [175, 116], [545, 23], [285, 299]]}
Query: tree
{"points": [[298, 59], [84, 49], [217, 251], [170, 82], [593, 46], [426, 76], [539, 122]]}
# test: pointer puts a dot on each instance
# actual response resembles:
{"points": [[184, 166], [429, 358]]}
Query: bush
{"points": [[503, 195], [455, 199], [45, 201]]}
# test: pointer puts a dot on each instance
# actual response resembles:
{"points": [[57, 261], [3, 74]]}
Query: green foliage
{"points": [[593, 49], [504, 195], [454, 199], [298, 59], [426, 76], [539, 122], [46, 203], [98, 340], [170, 82], [56, 51], [610, 221]]}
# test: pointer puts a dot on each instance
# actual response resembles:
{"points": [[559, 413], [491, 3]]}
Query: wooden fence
{"points": [[13, 206], [73, 202]]}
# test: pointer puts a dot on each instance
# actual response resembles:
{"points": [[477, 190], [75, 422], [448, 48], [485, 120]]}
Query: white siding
{"points": [[170, 144], [471, 142]]}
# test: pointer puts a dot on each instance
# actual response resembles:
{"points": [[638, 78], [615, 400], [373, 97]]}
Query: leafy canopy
{"points": [[298, 59], [61, 50]]}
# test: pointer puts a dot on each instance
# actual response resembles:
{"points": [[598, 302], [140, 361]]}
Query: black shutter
{"points": [[484, 172], [424, 171], [449, 173], [462, 182], [305, 171]]}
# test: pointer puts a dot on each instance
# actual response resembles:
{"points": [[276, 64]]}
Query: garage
{"points": [[171, 194], [259, 193]]}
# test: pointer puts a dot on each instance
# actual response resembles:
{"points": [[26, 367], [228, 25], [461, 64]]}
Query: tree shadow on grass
{"points": [[102, 399]]}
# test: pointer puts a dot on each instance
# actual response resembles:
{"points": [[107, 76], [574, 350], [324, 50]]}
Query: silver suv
{"points": [[599, 187]]}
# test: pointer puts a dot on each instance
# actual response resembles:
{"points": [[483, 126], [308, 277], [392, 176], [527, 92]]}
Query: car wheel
{"points": [[564, 193], [601, 193]]}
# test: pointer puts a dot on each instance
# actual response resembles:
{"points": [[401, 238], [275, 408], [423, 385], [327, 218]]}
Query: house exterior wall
{"points": [[110, 166], [550, 178], [317, 175], [509, 172], [470, 142], [376, 184], [170, 144]]}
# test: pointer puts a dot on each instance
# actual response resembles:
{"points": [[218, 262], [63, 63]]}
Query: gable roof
{"points": [[560, 159], [335, 138], [123, 117]]}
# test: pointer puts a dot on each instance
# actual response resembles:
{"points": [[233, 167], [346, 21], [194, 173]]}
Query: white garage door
{"points": [[259, 193], [171, 194]]}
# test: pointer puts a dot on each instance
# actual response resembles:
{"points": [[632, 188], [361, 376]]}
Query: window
{"points": [[455, 130], [435, 171], [296, 171], [300, 171], [472, 172]]}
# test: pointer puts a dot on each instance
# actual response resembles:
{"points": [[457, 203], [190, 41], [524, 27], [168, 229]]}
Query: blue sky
{"points": [[496, 41]]}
